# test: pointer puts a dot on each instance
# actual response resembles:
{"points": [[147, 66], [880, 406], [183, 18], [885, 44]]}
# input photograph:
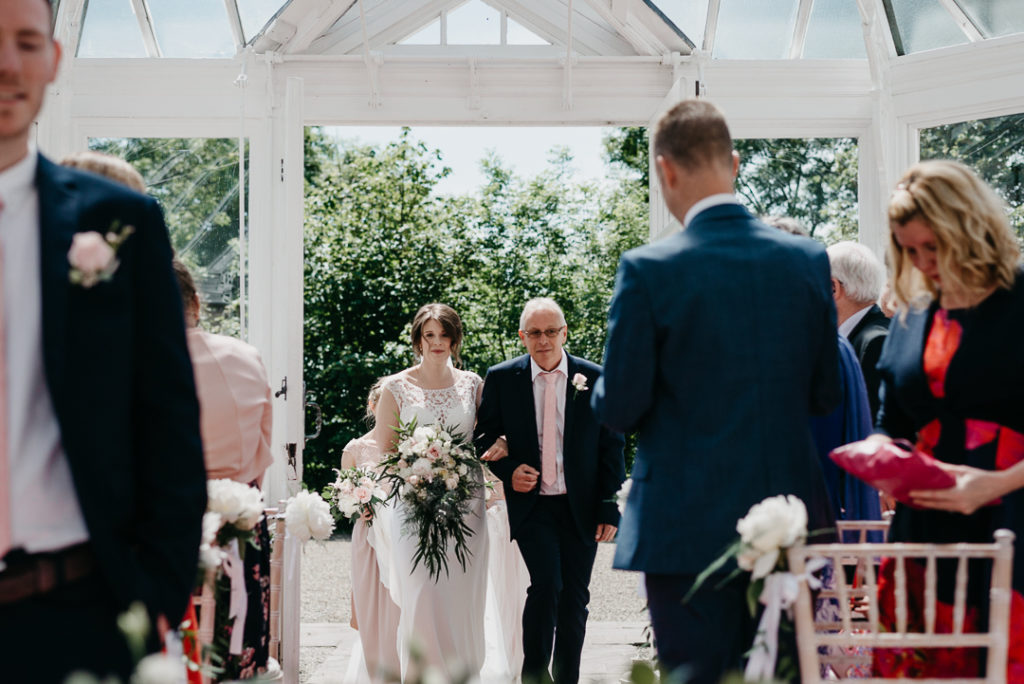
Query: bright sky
{"points": [[524, 149]]}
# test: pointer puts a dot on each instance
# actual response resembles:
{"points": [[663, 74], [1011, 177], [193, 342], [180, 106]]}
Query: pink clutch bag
{"points": [[891, 468]]}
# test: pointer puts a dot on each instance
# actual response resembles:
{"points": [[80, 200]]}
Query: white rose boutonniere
{"points": [[579, 384], [93, 257]]}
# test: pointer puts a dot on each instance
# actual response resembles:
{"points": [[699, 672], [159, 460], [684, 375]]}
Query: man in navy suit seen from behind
{"points": [[102, 484], [721, 342]]}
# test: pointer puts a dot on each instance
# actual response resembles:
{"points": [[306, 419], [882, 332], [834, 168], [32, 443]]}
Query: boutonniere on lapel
{"points": [[579, 384], [93, 257]]}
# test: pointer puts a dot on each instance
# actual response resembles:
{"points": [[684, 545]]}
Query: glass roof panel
{"points": [[690, 16], [923, 25], [428, 35], [995, 17], [754, 29], [110, 30], [520, 35], [255, 14], [834, 31], [475, 23], [192, 28]]}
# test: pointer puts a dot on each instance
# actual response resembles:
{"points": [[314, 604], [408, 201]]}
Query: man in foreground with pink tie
{"points": [[561, 475]]}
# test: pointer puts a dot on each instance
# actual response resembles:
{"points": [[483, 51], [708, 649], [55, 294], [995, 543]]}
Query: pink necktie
{"points": [[548, 467], [5, 475]]}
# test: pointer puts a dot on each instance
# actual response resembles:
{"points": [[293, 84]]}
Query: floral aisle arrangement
{"points": [[233, 510], [355, 492], [307, 516], [435, 472], [766, 531]]}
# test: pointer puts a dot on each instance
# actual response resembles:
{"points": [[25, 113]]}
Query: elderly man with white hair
{"points": [[858, 277], [561, 474]]}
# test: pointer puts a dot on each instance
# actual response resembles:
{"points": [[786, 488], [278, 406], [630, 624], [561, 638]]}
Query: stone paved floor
{"points": [[607, 652]]}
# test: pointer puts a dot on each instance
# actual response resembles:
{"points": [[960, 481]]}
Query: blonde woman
{"points": [[953, 382]]}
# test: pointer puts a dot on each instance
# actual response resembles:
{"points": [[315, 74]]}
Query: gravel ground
{"points": [[327, 583]]}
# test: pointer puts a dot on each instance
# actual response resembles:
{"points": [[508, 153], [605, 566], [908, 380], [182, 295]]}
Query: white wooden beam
{"points": [[67, 26], [965, 23], [316, 23], [385, 24], [711, 26], [643, 42], [235, 22], [803, 18], [142, 15]]}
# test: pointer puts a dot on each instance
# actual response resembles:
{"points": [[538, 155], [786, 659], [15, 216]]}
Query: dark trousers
{"points": [[700, 640], [555, 615], [74, 627]]}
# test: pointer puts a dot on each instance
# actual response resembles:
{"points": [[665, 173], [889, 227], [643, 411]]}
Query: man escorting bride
{"points": [[560, 471], [561, 475]]}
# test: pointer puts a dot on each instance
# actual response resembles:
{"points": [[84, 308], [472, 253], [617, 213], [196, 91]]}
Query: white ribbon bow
{"points": [[779, 593], [239, 604]]}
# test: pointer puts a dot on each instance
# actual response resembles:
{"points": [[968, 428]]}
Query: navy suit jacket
{"points": [[867, 338], [721, 342], [591, 454], [120, 379]]}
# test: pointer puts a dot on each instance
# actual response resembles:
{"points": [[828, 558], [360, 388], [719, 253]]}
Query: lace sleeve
{"points": [[396, 387]]}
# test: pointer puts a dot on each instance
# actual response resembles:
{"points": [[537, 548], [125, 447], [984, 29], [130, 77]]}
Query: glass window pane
{"points": [[196, 182], [834, 31], [192, 28], [995, 17], [520, 35], [475, 23], [428, 35], [813, 180], [992, 147], [110, 30], [925, 25], [754, 29], [255, 14], [690, 17]]}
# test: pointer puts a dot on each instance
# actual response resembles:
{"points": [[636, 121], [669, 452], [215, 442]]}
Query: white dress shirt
{"points": [[539, 385], [45, 513], [847, 326], [707, 203]]}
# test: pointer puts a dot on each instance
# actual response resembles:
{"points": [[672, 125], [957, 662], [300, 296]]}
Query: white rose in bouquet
{"points": [[776, 523], [308, 516]]}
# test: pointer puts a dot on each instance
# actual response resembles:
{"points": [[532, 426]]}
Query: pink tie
{"points": [[5, 475], [548, 467]]}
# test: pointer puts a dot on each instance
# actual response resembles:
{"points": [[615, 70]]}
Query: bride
{"points": [[442, 620]]}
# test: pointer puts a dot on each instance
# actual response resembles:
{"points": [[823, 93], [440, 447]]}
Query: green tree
{"points": [[994, 148], [813, 180]]}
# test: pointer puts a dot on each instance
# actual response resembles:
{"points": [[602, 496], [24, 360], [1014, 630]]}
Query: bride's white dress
{"points": [[442, 620]]}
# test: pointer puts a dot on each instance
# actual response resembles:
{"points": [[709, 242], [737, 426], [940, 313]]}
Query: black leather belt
{"points": [[25, 575]]}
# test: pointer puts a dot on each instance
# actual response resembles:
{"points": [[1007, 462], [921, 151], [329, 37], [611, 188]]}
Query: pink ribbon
{"points": [[239, 604]]}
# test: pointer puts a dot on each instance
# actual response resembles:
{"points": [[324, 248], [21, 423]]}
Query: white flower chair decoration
{"points": [[857, 635]]}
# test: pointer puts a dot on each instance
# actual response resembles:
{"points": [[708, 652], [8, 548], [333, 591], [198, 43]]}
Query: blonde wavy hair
{"points": [[976, 247]]}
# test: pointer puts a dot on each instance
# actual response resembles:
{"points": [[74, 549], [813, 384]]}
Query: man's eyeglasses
{"points": [[549, 333]]}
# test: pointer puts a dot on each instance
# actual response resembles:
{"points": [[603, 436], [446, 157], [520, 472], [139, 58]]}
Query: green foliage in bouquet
{"points": [[435, 472]]}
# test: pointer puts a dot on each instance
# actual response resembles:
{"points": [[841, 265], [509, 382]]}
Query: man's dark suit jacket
{"points": [[721, 342], [592, 454], [867, 338], [120, 379]]}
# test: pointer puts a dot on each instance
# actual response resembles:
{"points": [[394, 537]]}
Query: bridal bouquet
{"points": [[435, 472], [356, 491]]}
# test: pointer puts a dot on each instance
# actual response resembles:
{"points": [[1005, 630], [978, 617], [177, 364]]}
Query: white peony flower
{"points": [[451, 482], [425, 434], [238, 504], [422, 468], [210, 555], [776, 523], [363, 494], [308, 516], [463, 469], [159, 668], [623, 495]]}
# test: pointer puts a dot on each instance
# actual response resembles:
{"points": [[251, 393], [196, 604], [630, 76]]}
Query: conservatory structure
{"points": [[256, 73]]}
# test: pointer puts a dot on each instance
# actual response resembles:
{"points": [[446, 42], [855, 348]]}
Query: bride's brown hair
{"points": [[450, 322]]}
